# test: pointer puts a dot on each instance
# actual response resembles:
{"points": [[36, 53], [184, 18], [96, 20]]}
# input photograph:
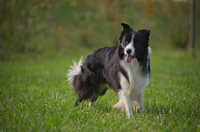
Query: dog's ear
{"points": [[145, 32], [126, 29], [125, 26]]}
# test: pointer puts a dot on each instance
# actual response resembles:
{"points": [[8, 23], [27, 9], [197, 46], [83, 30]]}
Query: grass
{"points": [[34, 96]]}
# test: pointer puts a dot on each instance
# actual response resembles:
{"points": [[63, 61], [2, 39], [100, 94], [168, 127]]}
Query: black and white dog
{"points": [[125, 68]]}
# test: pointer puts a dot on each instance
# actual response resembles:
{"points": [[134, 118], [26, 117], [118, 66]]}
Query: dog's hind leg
{"points": [[78, 100], [98, 93], [92, 100]]}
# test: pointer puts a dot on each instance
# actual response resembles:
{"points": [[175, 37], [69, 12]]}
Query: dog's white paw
{"points": [[130, 115], [90, 104], [140, 110], [119, 106]]}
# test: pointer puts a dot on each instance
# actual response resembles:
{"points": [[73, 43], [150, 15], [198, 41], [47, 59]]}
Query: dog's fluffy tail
{"points": [[74, 70]]}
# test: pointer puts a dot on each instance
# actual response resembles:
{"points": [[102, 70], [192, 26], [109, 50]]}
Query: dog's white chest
{"points": [[136, 80]]}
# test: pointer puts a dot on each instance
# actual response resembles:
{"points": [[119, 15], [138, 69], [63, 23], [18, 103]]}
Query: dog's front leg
{"points": [[139, 101], [127, 103]]}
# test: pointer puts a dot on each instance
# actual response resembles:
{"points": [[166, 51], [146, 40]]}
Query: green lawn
{"points": [[34, 96]]}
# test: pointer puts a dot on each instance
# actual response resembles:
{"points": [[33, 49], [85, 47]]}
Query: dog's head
{"points": [[134, 44]]}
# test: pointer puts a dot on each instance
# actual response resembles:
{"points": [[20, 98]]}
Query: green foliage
{"points": [[56, 26], [179, 30], [35, 96]]}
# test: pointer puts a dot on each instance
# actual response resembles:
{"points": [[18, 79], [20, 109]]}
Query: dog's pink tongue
{"points": [[128, 59]]}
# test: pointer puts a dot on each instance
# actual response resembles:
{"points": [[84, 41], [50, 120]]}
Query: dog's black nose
{"points": [[128, 51]]}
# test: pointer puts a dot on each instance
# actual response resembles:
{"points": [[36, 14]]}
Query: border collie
{"points": [[125, 68]]}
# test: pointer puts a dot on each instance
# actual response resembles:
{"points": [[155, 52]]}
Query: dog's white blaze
{"points": [[132, 90], [74, 70], [130, 46]]}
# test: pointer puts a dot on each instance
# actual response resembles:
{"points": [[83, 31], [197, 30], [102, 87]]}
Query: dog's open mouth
{"points": [[128, 58]]}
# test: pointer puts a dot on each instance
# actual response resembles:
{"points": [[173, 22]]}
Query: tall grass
{"points": [[35, 96]]}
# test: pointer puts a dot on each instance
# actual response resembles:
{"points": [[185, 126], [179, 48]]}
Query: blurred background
{"points": [[61, 27]]}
